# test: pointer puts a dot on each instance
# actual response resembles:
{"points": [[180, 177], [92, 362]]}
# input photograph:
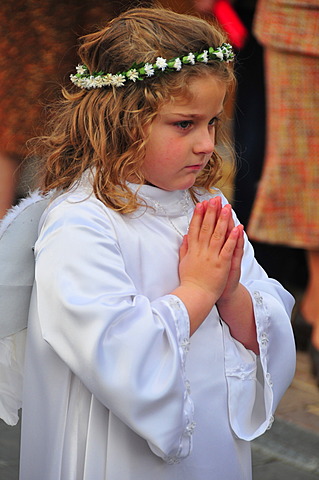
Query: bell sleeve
{"points": [[128, 351], [256, 383]]}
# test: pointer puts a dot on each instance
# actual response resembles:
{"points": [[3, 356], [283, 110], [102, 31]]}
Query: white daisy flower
{"points": [[204, 56], [84, 83], [91, 82], [107, 79], [161, 63], [149, 70], [99, 81], [132, 74], [118, 80], [178, 64], [74, 79], [81, 69], [228, 52], [191, 58], [218, 53]]}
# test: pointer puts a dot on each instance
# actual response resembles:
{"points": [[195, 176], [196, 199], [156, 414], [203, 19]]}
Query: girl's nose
{"points": [[205, 142]]}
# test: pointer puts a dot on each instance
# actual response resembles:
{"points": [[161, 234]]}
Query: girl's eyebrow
{"points": [[192, 115]]}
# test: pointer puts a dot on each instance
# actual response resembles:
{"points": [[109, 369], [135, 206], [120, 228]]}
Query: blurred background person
{"points": [[37, 51], [286, 210]]}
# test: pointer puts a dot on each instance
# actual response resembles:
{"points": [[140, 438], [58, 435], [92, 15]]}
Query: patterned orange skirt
{"points": [[286, 209]]}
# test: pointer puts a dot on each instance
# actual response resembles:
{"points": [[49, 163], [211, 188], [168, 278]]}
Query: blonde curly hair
{"points": [[105, 129]]}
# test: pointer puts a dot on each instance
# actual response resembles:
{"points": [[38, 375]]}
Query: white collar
{"points": [[172, 203]]}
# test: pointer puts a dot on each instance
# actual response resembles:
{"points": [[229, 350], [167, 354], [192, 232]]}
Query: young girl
{"points": [[157, 347]]}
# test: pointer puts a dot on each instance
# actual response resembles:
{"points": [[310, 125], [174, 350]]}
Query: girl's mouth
{"points": [[195, 167]]}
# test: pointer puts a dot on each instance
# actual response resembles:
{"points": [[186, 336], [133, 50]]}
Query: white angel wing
{"points": [[18, 233]]}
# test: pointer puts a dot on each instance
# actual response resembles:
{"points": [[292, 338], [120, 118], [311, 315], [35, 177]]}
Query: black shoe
{"points": [[314, 357], [302, 332]]}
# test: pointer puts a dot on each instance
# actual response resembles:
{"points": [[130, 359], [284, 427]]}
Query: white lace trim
{"points": [[184, 344]]}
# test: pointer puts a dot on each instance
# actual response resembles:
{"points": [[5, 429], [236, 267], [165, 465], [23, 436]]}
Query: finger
{"points": [[241, 240], [230, 245], [239, 250], [209, 221], [195, 223], [183, 248], [219, 234], [205, 203], [219, 204], [231, 224]]}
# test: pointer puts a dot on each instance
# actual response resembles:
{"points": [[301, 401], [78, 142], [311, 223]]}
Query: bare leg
{"points": [[8, 182], [310, 302]]}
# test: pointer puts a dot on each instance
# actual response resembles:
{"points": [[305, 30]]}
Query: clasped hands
{"points": [[210, 271], [211, 252]]}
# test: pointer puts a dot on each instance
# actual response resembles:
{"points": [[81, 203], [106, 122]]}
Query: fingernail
{"points": [[225, 211]]}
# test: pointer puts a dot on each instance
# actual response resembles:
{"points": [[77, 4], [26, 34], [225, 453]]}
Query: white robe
{"points": [[115, 389]]}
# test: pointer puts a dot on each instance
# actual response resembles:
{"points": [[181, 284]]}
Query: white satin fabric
{"points": [[114, 387]]}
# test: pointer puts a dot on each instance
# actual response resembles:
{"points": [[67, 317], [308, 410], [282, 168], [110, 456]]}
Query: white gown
{"points": [[115, 389]]}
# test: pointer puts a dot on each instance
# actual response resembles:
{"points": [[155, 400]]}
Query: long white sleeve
{"points": [[126, 349], [256, 384]]}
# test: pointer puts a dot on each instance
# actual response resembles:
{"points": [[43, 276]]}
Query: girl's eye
{"points": [[184, 124], [213, 121]]}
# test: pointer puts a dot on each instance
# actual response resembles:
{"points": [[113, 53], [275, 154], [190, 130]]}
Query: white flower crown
{"points": [[84, 79]]}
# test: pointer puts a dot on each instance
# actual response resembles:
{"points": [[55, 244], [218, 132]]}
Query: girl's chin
{"points": [[183, 184]]}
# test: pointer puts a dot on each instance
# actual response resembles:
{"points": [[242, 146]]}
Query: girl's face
{"points": [[182, 136]]}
